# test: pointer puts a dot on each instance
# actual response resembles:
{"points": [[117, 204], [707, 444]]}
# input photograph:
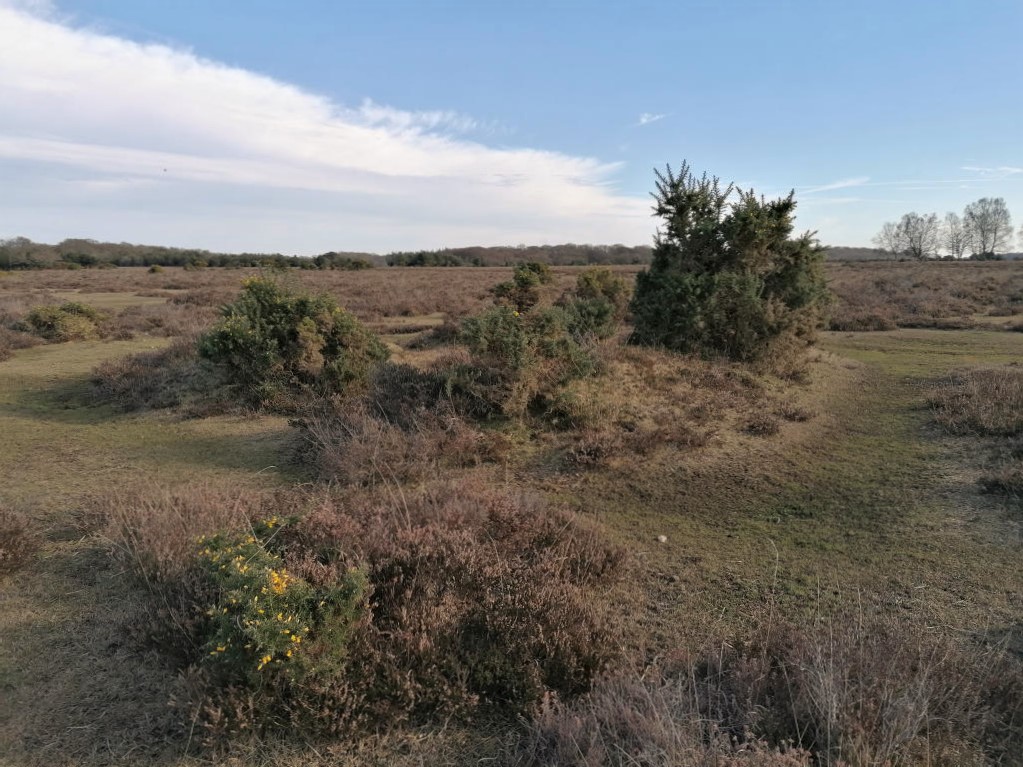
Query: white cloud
{"points": [[648, 117], [1002, 171], [87, 116], [847, 183]]}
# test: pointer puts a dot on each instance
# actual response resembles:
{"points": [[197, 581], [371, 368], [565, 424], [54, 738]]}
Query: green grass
{"points": [[861, 507], [108, 301]]}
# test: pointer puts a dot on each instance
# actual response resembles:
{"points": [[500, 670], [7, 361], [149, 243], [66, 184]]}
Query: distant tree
{"points": [[889, 239], [988, 226], [920, 234], [953, 236], [727, 279], [915, 236]]}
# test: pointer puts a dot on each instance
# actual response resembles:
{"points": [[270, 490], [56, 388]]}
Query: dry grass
{"points": [[842, 693], [19, 542], [986, 402]]}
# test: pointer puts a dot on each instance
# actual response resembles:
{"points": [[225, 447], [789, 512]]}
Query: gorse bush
{"points": [[597, 305], [70, 321], [523, 291], [523, 353], [276, 345], [267, 620], [519, 359], [727, 279]]}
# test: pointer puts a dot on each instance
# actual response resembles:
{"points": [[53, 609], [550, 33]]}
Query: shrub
{"points": [[156, 269], [357, 444], [168, 377], [69, 321], [726, 279], [276, 345], [838, 693], [12, 340], [457, 598], [522, 293], [520, 359]]}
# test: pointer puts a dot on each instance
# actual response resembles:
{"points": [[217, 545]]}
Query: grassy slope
{"points": [[71, 689], [859, 506]]}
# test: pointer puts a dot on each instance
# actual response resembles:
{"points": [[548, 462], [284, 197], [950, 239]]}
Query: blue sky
{"points": [[309, 126]]}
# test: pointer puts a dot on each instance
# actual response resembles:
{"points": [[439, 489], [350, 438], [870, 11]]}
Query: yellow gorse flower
{"points": [[279, 580]]}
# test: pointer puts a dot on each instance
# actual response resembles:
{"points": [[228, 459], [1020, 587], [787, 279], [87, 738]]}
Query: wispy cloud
{"points": [[1002, 171], [649, 117], [847, 183], [107, 113]]}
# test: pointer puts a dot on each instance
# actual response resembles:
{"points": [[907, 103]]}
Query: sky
{"points": [[316, 125]]}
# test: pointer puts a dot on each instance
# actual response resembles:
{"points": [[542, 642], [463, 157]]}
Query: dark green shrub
{"points": [[726, 278], [522, 293], [70, 321], [275, 344], [520, 359], [597, 305]]}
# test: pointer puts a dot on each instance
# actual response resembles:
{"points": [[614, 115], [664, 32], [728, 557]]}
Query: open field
{"points": [[801, 501]]}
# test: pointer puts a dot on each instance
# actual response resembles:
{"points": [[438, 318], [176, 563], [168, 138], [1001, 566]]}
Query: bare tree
{"points": [[988, 226], [920, 235], [889, 239], [953, 236]]}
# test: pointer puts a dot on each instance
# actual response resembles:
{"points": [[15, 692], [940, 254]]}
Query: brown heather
{"points": [[481, 597], [839, 693]]}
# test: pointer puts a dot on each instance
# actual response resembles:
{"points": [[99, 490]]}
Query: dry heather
{"points": [[477, 597], [883, 296], [836, 694], [170, 377]]}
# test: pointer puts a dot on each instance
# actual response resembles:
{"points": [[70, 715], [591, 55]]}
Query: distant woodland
{"points": [[23, 253]]}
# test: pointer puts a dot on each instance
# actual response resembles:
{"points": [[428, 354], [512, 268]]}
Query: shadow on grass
{"points": [[67, 400], [75, 688]]}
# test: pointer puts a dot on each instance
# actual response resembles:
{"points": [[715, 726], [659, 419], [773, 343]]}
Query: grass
{"points": [[74, 689], [863, 506]]}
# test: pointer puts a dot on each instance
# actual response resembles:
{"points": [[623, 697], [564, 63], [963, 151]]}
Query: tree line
{"points": [[983, 232], [23, 253]]}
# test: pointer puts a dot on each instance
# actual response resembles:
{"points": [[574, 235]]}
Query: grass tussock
{"points": [[457, 598], [19, 542], [986, 402], [843, 693]]}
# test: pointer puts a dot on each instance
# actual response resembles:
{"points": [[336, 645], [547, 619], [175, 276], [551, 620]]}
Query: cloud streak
{"points": [[649, 117], [92, 112]]}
